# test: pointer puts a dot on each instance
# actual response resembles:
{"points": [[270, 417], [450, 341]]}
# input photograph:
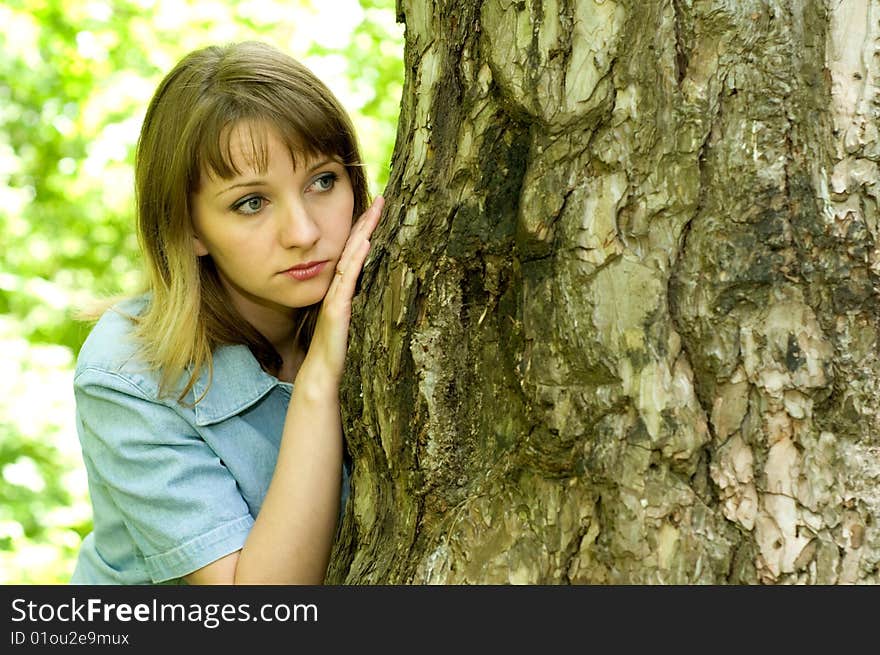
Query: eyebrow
{"points": [[261, 182], [240, 184]]}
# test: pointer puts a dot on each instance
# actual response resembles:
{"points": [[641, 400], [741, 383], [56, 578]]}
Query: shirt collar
{"points": [[237, 382]]}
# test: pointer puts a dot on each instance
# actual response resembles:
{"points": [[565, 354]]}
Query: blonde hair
{"points": [[186, 132]]}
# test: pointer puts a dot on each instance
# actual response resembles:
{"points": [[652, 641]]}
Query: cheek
{"points": [[347, 227], [341, 233], [346, 222]]}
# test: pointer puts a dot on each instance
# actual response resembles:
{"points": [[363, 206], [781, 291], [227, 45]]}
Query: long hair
{"points": [[186, 133]]}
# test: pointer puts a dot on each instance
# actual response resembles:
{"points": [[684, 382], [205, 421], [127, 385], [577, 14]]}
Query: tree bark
{"points": [[621, 320]]}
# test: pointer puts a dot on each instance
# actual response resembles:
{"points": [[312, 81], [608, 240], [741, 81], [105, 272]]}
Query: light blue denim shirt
{"points": [[172, 488]]}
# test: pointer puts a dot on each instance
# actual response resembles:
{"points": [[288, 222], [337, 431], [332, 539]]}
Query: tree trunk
{"points": [[621, 321]]}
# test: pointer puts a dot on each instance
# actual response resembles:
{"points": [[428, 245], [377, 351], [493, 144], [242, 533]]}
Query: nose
{"points": [[296, 227]]}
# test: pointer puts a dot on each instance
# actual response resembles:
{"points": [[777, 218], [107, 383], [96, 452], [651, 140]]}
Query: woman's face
{"points": [[259, 226]]}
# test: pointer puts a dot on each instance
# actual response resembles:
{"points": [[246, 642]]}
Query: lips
{"points": [[305, 271], [302, 267]]}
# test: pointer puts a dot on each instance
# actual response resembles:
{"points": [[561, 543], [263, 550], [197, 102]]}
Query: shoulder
{"points": [[111, 351]]}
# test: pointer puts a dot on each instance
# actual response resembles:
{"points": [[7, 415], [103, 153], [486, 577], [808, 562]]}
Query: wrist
{"points": [[316, 382]]}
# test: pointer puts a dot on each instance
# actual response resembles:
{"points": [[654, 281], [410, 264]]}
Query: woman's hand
{"points": [[324, 362]]}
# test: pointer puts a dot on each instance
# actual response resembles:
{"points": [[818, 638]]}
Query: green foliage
{"points": [[75, 78]]}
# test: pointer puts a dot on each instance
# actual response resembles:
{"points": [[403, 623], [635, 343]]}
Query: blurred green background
{"points": [[75, 79]]}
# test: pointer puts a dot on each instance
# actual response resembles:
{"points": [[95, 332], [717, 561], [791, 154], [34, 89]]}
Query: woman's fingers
{"points": [[368, 221], [350, 274], [354, 254], [330, 339]]}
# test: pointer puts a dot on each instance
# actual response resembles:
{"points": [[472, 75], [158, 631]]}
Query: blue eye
{"points": [[325, 181], [249, 205]]}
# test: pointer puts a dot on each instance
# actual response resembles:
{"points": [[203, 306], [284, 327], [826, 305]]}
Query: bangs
{"points": [[308, 133]]}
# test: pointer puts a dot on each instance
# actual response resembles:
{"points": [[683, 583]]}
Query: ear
{"points": [[199, 247]]}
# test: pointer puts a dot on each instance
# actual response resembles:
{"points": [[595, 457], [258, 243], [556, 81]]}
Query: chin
{"points": [[306, 300]]}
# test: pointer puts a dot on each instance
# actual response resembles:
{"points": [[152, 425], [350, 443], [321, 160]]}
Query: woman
{"points": [[208, 407]]}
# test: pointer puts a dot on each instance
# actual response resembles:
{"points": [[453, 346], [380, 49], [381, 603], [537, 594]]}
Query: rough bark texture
{"points": [[621, 322]]}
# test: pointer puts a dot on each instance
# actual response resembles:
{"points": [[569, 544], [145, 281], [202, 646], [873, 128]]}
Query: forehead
{"points": [[247, 147]]}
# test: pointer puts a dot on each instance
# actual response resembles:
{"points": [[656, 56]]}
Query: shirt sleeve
{"points": [[180, 504]]}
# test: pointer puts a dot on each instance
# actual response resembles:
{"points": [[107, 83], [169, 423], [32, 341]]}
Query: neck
{"points": [[290, 365], [278, 325], [282, 336]]}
